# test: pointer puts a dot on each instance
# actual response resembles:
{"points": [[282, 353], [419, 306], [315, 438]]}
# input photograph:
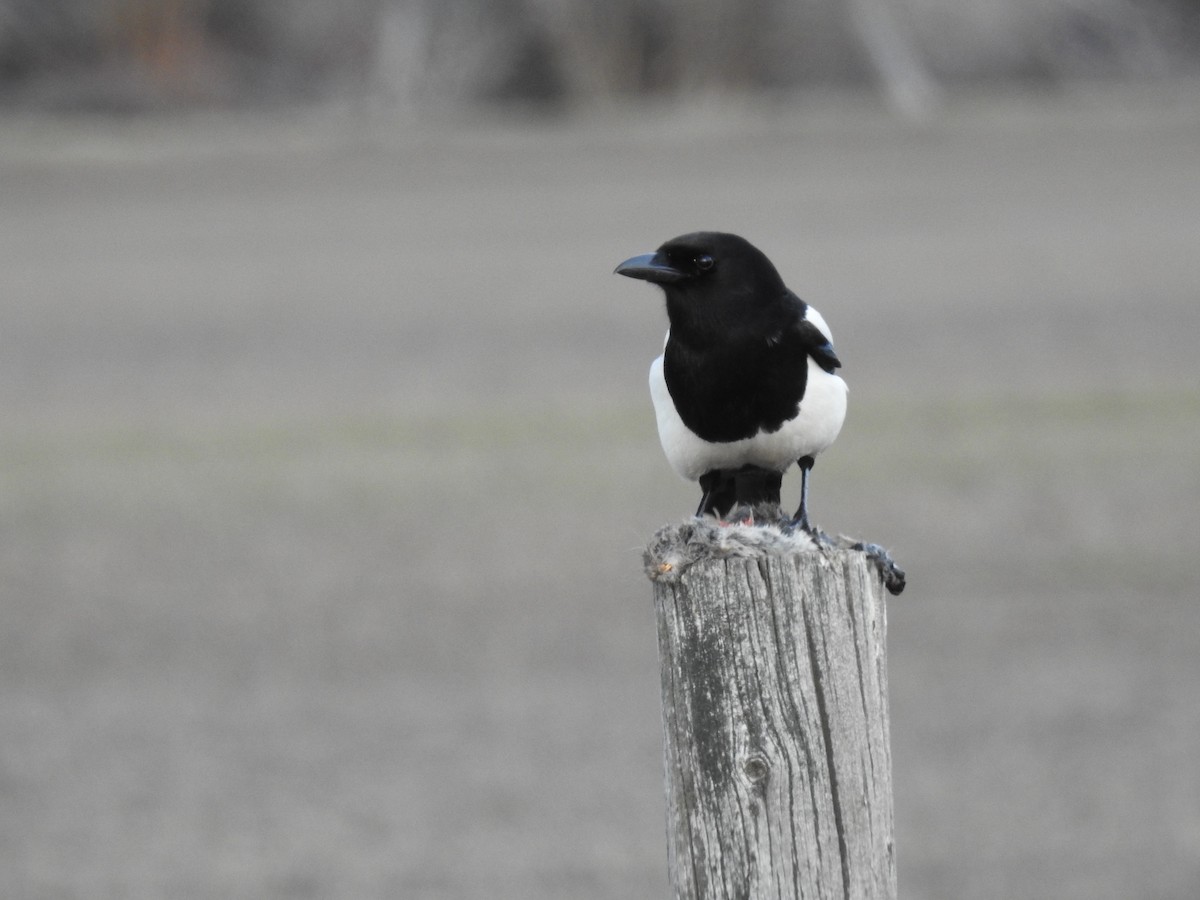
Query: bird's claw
{"points": [[821, 541]]}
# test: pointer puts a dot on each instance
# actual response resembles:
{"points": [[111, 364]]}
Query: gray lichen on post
{"points": [[775, 716]]}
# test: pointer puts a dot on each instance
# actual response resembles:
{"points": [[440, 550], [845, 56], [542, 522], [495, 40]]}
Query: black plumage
{"points": [[746, 384]]}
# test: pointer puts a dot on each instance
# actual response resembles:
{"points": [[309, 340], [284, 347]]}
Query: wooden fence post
{"points": [[775, 716]]}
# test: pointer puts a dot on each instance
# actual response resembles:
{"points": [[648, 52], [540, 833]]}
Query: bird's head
{"points": [[713, 280]]}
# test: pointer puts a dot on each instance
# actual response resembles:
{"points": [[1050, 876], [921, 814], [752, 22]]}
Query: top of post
{"points": [[675, 548]]}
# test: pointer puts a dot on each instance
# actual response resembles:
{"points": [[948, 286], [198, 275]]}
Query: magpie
{"points": [[747, 382]]}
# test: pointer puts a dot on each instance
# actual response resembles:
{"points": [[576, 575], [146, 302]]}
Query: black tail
{"points": [[727, 489]]}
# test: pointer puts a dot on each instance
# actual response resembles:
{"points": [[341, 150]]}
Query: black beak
{"points": [[650, 267]]}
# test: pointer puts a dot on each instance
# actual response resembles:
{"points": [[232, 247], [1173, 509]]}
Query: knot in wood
{"points": [[757, 768]]}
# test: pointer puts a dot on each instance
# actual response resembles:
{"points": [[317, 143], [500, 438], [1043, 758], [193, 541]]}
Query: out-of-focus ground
{"points": [[327, 460]]}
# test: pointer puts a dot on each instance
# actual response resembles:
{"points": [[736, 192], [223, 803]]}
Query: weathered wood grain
{"points": [[775, 721]]}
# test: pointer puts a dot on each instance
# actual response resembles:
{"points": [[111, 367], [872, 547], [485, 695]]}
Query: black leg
{"points": [[801, 518], [708, 487], [718, 496]]}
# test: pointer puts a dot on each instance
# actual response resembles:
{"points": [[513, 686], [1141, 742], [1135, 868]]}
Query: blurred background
{"points": [[138, 55], [328, 457]]}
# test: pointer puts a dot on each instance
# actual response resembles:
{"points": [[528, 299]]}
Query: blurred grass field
{"points": [[328, 461]]}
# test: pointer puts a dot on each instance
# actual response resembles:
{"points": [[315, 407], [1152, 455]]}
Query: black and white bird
{"points": [[747, 383]]}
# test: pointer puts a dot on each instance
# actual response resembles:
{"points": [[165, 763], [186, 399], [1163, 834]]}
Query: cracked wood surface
{"points": [[777, 759]]}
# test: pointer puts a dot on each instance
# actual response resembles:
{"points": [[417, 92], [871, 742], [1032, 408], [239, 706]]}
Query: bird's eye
{"points": [[704, 262]]}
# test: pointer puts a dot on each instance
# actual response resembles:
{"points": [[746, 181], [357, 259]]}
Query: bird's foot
{"points": [[892, 574], [820, 539], [799, 522]]}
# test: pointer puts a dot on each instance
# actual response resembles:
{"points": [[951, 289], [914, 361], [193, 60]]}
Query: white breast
{"points": [[815, 427]]}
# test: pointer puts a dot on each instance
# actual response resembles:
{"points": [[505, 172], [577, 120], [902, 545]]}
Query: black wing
{"points": [[809, 336], [818, 346]]}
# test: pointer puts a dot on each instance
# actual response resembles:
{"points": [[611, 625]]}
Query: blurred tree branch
{"points": [[414, 53]]}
